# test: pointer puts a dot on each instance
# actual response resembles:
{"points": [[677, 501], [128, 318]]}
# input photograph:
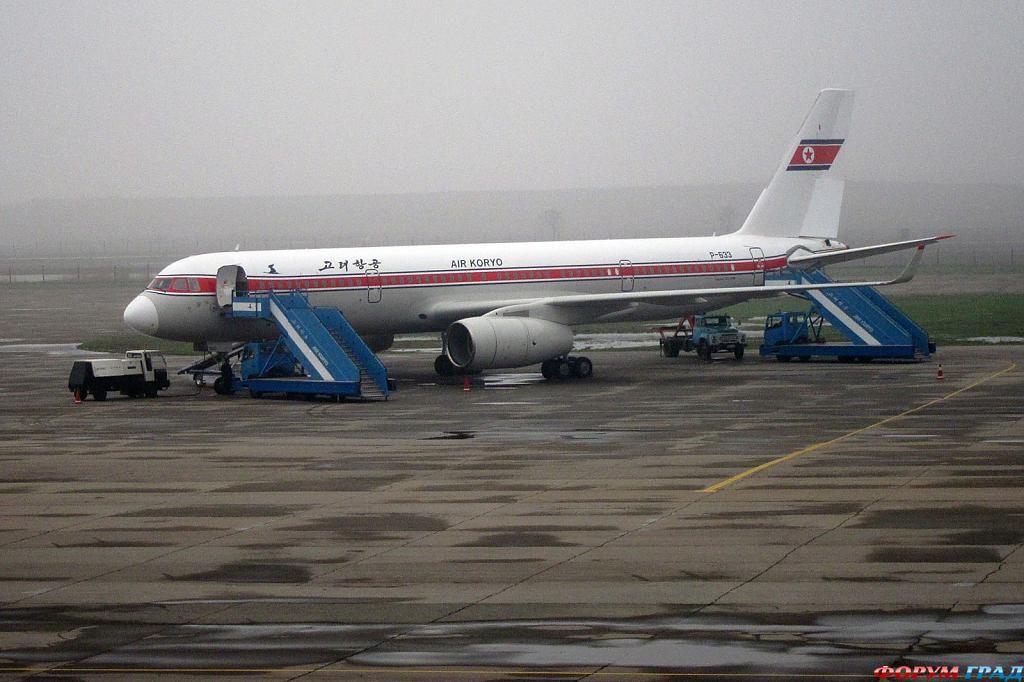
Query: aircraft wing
{"points": [[803, 259], [577, 308]]}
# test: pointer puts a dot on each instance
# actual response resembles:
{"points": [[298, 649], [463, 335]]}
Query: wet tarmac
{"points": [[561, 529]]}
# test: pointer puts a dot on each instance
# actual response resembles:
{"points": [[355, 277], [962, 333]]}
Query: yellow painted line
{"points": [[818, 446]]}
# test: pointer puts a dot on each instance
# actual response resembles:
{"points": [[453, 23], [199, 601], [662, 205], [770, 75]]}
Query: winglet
{"points": [[911, 269]]}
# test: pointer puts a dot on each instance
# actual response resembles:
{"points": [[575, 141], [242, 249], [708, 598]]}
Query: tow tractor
{"points": [[707, 334], [139, 372]]}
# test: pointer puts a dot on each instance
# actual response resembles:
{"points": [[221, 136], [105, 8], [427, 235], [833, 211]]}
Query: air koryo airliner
{"points": [[515, 304]]}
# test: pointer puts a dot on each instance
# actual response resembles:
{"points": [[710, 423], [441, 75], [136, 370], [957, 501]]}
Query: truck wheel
{"points": [[99, 393], [704, 351], [151, 391], [804, 358], [222, 386], [738, 352], [783, 358], [670, 349]]}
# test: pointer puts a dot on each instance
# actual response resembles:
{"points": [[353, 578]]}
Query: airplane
{"points": [[505, 305]]}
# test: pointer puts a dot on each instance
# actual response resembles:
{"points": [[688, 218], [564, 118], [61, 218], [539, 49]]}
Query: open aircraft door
{"points": [[757, 255], [231, 279]]}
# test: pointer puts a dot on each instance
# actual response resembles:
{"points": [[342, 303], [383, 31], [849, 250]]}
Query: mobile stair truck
{"points": [[316, 354], [874, 327]]}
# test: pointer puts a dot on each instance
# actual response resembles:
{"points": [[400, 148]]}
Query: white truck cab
{"points": [[139, 372]]}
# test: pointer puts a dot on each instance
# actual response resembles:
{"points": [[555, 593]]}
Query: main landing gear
{"points": [[567, 368]]}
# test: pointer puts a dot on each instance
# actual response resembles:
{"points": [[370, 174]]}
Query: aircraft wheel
{"points": [[584, 368], [547, 369], [563, 370]]}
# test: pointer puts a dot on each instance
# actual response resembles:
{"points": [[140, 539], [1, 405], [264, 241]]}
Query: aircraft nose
{"points": [[141, 315]]}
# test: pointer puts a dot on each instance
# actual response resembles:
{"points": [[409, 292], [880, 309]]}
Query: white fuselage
{"points": [[401, 289]]}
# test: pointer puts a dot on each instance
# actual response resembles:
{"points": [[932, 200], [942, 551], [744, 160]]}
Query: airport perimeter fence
{"points": [[105, 269]]}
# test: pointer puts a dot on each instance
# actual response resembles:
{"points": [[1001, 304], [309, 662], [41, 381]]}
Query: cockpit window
{"points": [[160, 283], [179, 284]]}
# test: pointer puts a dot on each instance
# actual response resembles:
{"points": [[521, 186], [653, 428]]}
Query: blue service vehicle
{"points": [[869, 324], [706, 334], [789, 335]]}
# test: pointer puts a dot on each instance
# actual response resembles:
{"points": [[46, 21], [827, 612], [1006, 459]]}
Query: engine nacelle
{"points": [[379, 342], [494, 342]]}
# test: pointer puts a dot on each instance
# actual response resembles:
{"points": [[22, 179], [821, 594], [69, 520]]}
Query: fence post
{"points": [[42, 268]]}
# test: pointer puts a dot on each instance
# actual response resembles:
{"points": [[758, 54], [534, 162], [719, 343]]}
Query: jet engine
{"points": [[494, 342]]}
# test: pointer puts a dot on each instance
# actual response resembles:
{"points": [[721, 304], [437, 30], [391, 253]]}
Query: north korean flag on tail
{"points": [[812, 155]]}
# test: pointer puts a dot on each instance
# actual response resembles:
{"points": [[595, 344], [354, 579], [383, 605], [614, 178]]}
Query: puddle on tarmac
{"points": [[48, 348], [701, 643], [511, 380], [995, 339], [453, 435], [614, 341]]}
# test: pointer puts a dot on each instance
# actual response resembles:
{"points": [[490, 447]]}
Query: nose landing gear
{"points": [[567, 368]]}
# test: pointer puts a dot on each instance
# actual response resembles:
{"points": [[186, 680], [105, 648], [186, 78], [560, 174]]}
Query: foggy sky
{"points": [[143, 99]]}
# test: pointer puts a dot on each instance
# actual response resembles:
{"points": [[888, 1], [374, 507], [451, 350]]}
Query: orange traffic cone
{"points": [[78, 397], [465, 383], [940, 375]]}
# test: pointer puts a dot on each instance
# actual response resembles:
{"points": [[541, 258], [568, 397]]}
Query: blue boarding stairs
{"points": [[317, 353], [872, 324]]}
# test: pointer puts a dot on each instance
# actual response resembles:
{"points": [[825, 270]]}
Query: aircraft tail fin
{"points": [[805, 195]]}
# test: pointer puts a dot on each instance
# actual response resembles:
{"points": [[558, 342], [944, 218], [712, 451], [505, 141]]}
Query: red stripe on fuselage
{"points": [[179, 285]]}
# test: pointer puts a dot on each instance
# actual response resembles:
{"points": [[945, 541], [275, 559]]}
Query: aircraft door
{"points": [[626, 275], [757, 255], [231, 279], [374, 286]]}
